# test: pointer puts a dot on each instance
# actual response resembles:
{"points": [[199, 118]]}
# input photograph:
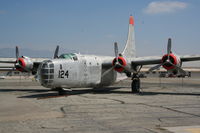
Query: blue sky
{"points": [[92, 26]]}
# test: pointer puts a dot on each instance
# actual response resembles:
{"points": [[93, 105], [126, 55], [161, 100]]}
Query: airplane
{"points": [[72, 70]]}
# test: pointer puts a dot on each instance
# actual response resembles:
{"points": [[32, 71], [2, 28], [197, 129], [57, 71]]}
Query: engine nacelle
{"points": [[121, 61], [24, 64], [174, 59]]}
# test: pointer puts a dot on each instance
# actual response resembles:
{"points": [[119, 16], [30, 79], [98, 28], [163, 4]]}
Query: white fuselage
{"points": [[79, 71]]}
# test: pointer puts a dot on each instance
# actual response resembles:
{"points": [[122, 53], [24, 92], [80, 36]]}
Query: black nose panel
{"points": [[47, 73]]}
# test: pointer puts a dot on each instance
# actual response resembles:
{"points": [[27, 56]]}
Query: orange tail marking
{"points": [[131, 20]]}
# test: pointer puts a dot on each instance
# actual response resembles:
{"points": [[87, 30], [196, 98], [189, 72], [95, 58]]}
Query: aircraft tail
{"points": [[129, 50]]}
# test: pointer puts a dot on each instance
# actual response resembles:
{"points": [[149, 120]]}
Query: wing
{"points": [[7, 64], [146, 60], [8, 60], [187, 58], [158, 59]]}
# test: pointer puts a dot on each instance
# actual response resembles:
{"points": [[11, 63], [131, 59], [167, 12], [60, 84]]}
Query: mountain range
{"points": [[10, 53]]}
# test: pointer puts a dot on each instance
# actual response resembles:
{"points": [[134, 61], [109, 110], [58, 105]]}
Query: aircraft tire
{"points": [[61, 92], [135, 86]]}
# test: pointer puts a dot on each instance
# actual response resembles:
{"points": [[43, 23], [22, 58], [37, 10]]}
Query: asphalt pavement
{"points": [[164, 105]]}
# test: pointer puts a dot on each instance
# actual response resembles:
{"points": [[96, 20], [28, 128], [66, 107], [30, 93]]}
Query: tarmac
{"points": [[165, 105]]}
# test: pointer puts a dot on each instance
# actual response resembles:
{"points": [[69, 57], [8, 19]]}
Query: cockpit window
{"points": [[68, 56]]}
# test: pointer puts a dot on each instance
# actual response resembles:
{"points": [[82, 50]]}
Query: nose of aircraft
{"points": [[46, 73]]}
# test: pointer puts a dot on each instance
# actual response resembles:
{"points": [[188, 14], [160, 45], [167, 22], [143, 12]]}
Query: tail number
{"points": [[63, 74]]}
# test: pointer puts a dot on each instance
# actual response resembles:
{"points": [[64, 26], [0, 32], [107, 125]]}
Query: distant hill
{"points": [[10, 52]]}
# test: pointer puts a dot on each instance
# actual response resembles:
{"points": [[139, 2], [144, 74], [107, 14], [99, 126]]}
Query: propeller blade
{"points": [[155, 67], [56, 52], [18, 65], [17, 52], [179, 69], [107, 71], [169, 46], [116, 49]]}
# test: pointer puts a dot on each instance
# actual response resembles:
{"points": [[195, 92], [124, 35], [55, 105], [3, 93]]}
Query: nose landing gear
{"points": [[60, 90]]}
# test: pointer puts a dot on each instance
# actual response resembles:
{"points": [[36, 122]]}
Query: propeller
{"points": [[168, 57], [18, 63], [25, 64], [169, 46], [168, 61], [117, 61], [56, 52]]}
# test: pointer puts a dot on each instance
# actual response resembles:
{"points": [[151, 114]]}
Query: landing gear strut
{"points": [[135, 86], [60, 91]]}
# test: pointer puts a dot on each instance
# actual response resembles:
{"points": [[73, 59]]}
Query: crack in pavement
{"points": [[87, 117], [116, 100], [167, 108]]}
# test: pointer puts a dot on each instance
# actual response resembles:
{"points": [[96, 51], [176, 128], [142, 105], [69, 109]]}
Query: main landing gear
{"points": [[135, 86]]}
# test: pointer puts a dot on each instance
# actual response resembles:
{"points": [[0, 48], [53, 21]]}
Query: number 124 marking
{"points": [[63, 74]]}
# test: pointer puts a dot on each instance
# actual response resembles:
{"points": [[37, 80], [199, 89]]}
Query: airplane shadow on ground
{"points": [[54, 94], [22, 90], [43, 94], [169, 93]]}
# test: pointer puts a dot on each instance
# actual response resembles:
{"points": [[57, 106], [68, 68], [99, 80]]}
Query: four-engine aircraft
{"points": [[74, 70]]}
